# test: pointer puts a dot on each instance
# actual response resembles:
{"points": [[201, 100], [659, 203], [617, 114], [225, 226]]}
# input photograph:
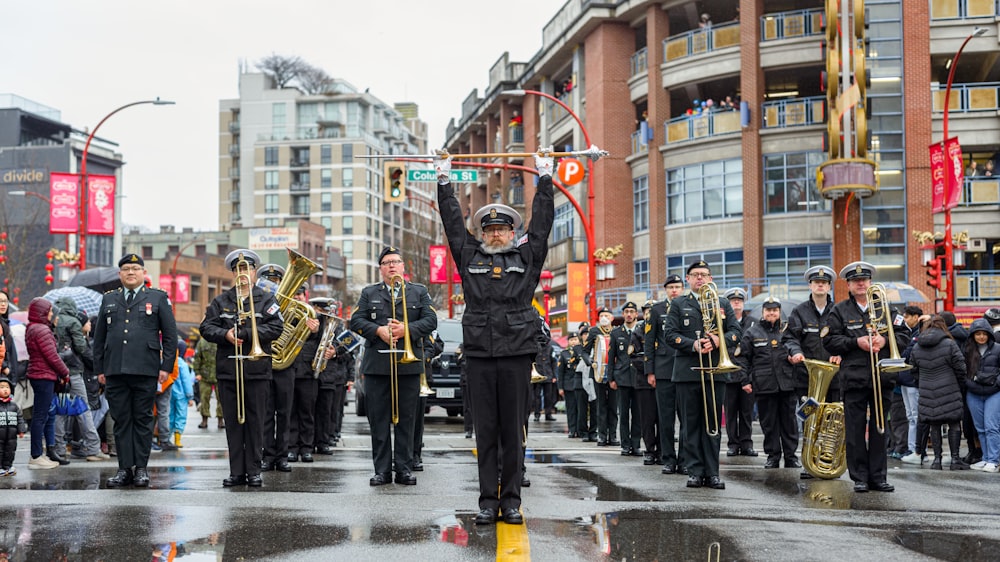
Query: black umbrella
{"points": [[100, 279]]}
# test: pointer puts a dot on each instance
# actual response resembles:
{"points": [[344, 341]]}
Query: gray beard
{"points": [[488, 250]]}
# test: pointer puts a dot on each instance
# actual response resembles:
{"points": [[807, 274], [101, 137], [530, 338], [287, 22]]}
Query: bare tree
{"points": [[282, 69], [314, 80]]}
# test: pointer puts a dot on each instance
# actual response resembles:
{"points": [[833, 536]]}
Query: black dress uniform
{"points": [[606, 410], [332, 384], [739, 404], [302, 422], [544, 394], [246, 440], [500, 336], [659, 362], [620, 372], [433, 346], [375, 309], [129, 352], [802, 333], [569, 381]]}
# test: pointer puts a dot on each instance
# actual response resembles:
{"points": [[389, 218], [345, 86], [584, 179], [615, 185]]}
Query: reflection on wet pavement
{"points": [[604, 489]]}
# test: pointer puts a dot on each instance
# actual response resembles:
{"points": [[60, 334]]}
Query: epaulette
{"points": [[157, 289], [119, 289], [416, 284]]}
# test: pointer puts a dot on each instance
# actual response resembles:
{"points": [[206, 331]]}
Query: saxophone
{"points": [[824, 449]]}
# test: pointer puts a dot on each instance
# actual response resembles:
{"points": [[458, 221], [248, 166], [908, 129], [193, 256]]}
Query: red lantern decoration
{"points": [[49, 279], [49, 267]]}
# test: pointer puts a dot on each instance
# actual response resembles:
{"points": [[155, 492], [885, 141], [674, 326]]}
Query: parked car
{"points": [[445, 375]]}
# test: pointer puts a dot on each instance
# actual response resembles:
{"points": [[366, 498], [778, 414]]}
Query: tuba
{"points": [[293, 312], [824, 449]]}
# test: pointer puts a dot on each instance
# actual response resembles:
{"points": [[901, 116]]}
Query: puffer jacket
{"points": [[45, 363], [938, 368], [70, 336], [989, 362]]}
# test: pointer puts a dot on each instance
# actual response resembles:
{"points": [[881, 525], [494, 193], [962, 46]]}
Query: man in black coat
{"points": [[232, 333], [302, 422], [850, 333], [569, 381], [131, 361], [659, 368], [378, 318], [621, 379], [332, 379], [499, 276], [739, 403]]}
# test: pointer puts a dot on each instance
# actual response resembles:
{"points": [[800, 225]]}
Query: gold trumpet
{"points": [[244, 281], [593, 153], [711, 316], [407, 352], [878, 314]]}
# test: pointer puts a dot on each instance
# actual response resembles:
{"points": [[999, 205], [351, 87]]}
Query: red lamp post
{"points": [[173, 268], [546, 280]]}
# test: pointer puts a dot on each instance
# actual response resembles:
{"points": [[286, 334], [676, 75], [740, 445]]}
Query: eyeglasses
{"points": [[392, 262], [131, 268], [700, 275]]}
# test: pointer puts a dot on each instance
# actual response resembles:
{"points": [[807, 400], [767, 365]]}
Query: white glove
{"points": [[544, 164], [442, 167]]}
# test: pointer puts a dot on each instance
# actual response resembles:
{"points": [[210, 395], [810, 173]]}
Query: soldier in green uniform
{"points": [[204, 369]]}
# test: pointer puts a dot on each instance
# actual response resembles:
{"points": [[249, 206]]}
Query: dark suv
{"points": [[445, 374]]}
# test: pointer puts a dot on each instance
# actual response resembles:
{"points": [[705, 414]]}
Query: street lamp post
{"points": [[949, 245], [173, 268], [82, 234]]}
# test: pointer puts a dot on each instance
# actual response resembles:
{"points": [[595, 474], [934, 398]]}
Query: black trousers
{"points": [[700, 450], [778, 422], [302, 424], [646, 401], [277, 417], [130, 402], [628, 416], [325, 414], [338, 409], [899, 426], [667, 414], [388, 455], [568, 397], [866, 460], [739, 416], [607, 412], [8, 445], [499, 388], [246, 440], [418, 430], [544, 398], [466, 405], [586, 413]]}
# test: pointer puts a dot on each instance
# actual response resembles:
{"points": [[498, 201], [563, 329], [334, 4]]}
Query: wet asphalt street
{"points": [[584, 503]]}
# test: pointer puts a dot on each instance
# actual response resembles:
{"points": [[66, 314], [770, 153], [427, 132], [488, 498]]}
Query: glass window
{"points": [[788, 264], [278, 120], [326, 177], [790, 183], [327, 223], [272, 222], [326, 202], [348, 179], [562, 226], [727, 266], [271, 179], [348, 202], [346, 152], [325, 154], [270, 156], [270, 203], [348, 225], [640, 274], [347, 247], [300, 205], [640, 204], [710, 190]]}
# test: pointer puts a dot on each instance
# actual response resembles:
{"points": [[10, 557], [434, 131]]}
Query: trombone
{"points": [[711, 315], [878, 313], [593, 153], [407, 351], [244, 282]]}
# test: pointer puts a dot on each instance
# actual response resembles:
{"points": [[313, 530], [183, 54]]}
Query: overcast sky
{"points": [[88, 58]]}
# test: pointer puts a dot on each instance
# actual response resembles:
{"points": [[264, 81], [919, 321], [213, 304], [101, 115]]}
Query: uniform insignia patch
{"points": [[678, 340], [647, 328], [774, 343], [149, 309], [496, 270], [824, 331], [273, 308], [522, 240]]}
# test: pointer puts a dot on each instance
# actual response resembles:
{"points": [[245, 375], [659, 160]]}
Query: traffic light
{"points": [[934, 273], [393, 175]]}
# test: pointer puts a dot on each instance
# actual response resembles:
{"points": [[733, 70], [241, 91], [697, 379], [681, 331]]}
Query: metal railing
{"points": [[977, 286], [700, 41], [693, 127], [639, 62], [795, 23], [980, 190], [962, 9], [234, 172], [794, 112], [555, 111], [516, 134], [967, 98]]}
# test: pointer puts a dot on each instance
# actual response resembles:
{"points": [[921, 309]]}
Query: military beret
{"points": [[857, 270], [583, 327], [671, 279], [700, 264], [819, 273], [772, 302], [130, 259], [604, 310], [628, 305], [271, 270], [736, 293], [497, 214], [232, 258], [387, 251]]}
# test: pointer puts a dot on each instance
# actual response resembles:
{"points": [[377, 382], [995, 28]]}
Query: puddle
{"points": [[949, 546], [549, 458], [604, 489]]}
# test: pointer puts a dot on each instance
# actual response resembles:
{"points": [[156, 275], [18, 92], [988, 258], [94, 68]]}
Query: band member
{"points": [[131, 358], [768, 373], [332, 382], [278, 404], [544, 394], [569, 381], [226, 327], [499, 277], [850, 334], [433, 346], [687, 333], [302, 422], [645, 393], [379, 319], [739, 403], [587, 393], [596, 347], [621, 379], [659, 368]]}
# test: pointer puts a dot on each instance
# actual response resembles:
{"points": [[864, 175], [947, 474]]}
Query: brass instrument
{"points": [[600, 349], [824, 448], [711, 315], [425, 389], [407, 352], [593, 153], [536, 377], [330, 331], [878, 313], [293, 312], [244, 281]]}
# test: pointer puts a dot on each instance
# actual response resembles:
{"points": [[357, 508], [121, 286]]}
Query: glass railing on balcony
{"points": [[234, 196], [977, 286], [516, 134], [555, 111], [700, 41], [298, 186], [234, 127], [796, 23], [961, 9], [980, 190], [639, 62], [693, 127], [965, 98], [516, 195], [234, 172], [794, 112]]}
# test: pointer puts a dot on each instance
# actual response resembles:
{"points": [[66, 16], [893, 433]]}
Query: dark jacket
{"points": [[204, 360], [620, 352], [983, 369], [221, 316], [764, 359], [375, 309], [684, 323], [10, 360], [638, 342], [45, 363], [499, 319], [590, 353], [802, 335], [70, 338], [659, 354], [846, 324], [568, 379], [939, 369], [10, 416], [129, 339]]}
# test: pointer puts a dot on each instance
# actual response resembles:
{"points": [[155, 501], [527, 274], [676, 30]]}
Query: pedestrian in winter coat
{"points": [[939, 369], [983, 363], [11, 427], [44, 369], [9, 366], [76, 352], [181, 395]]}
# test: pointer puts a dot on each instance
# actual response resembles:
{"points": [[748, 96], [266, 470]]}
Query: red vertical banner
{"points": [[100, 204], [63, 194], [954, 151], [576, 293], [937, 177], [439, 265], [180, 294]]}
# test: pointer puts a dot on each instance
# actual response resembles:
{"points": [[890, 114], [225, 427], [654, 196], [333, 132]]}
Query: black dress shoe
{"points": [[406, 479], [307, 457], [602, 443], [694, 481], [805, 476], [733, 451], [167, 446], [281, 465], [669, 469], [880, 487], [635, 453], [141, 479], [682, 469], [749, 453], [648, 460], [417, 466], [512, 516], [235, 480], [614, 443], [589, 439], [550, 417], [860, 487], [525, 483], [772, 463], [792, 463], [324, 450], [121, 479], [626, 452], [715, 483], [468, 435], [266, 465], [380, 480], [293, 457], [486, 517], [255, 481]]}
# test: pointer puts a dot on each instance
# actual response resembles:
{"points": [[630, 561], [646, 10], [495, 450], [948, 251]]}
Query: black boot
{"points": [[54, 455], [955, 444], [936, 443]]}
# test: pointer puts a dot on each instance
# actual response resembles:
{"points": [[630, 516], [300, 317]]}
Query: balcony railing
{"points": [[516, 195], [976, 286], [693, 127], [516, 134], [234, 150], [794, 112], [299, 162], [961, 9], [234, 217], [786, 25], [966, 98], [234, 127], [700, 41], [980, 190], [555, 111], [234, 196], [234, 172], [639, 62], [298, 186]]}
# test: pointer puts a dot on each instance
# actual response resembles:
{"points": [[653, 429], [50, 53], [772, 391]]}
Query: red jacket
{"points": [[44, 362]]}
